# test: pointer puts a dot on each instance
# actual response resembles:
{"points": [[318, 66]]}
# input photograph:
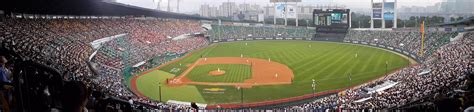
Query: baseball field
{"points": [[265, 70]]}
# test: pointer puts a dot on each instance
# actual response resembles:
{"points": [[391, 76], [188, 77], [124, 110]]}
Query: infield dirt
{"points": [[264, 72]]}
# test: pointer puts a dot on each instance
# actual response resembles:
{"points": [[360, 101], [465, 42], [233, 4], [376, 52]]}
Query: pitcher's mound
{"points": [[217, 72]]}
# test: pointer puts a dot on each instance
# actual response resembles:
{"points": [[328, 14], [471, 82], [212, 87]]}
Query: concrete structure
{"points": [[268, 11], [232, 10], [379, 10]]}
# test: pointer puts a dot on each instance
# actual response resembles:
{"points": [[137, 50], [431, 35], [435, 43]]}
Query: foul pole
{"points": [[422, 29]]}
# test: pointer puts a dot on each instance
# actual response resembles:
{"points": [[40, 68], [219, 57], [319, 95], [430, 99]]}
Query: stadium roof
{"points": [[467, 22], [85, 8]]}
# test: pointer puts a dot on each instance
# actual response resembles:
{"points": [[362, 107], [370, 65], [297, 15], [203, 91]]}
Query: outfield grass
{"points": [[330, 64], [233, 73]]}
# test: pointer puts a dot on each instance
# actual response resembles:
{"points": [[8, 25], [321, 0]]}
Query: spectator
{"points": [[75, 96], [405, 40], [4, 72], [63, 44]]}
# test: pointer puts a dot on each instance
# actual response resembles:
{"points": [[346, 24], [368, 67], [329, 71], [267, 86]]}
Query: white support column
{"points": [[286, 13], [372, 14], [296, 12], [169, 9], [350, 19], [177, 6], [383, 15], [274, 14], [395, 12]]}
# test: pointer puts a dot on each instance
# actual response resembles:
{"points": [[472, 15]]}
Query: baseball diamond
{"points": [[220, 73], [263, 72], [333, 66]]}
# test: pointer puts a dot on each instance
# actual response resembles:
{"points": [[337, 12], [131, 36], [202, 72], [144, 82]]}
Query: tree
{"points": [[363, 20], [452, 19]]}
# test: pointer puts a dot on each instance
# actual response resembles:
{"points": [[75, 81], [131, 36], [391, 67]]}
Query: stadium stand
{"points": [[149, 38], [239, 32], [406, 40], [46, 41], [448, 80]]}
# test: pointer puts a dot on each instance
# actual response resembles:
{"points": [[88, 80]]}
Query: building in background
{"points": [[306, 12], [251, 11], [231, 9], [205, 10], [228, 9], [268, 11], [446, 9], [213, 12], [457, 6]]}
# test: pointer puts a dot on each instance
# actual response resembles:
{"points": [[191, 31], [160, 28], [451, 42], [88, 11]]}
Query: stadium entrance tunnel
{"points": [[263, 72]]}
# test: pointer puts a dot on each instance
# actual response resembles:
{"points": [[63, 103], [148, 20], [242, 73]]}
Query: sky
{"points": [[190, 6]]}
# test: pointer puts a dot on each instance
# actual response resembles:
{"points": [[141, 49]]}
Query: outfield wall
{"points": [[410, 54], [273, 102]]}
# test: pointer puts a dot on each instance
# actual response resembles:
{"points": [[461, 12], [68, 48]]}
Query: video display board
{"points": [[377, 13], [377, 5], [389, 10], [288, 10], [334, 20]]}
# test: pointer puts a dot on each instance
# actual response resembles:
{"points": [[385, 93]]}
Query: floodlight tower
{"points": [[169, 9], [177, 6], [228, 9], [158, 7], [285, 9]]}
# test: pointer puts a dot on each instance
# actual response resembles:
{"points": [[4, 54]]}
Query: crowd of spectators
{"points": [[64, 44], [406, 40], [48, 42], [238, 32], [450, 69], [147, 40]]}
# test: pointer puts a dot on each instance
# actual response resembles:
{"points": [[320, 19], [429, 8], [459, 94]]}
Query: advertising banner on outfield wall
{"points": [[273, 1], [291, 11], [377, 5], [388, 10], [285, 9], [377, 13], [280, 10]]}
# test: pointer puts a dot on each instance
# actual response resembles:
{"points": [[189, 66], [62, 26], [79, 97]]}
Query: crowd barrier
{"points": [[272, 102]]}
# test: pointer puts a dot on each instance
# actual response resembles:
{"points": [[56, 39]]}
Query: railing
{"points": [[273, 102]]}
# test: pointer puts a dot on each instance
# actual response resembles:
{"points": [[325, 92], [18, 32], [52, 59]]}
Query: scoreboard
{"points": [[331, 20]]}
